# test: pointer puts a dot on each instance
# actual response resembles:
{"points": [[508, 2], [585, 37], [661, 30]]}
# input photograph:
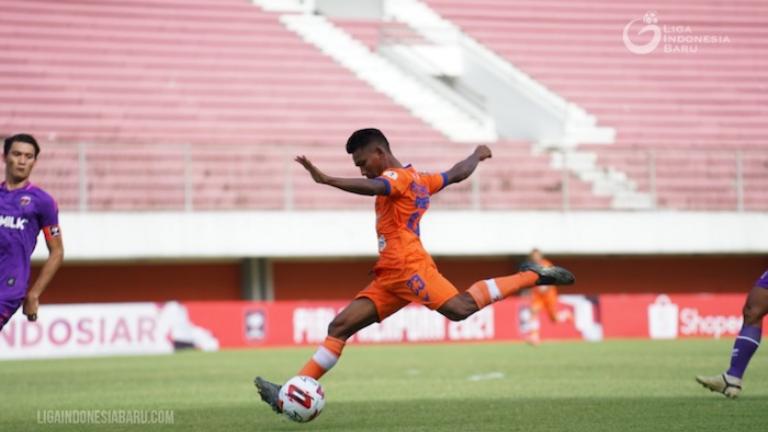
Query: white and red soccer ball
{"points": [[301, 398]]}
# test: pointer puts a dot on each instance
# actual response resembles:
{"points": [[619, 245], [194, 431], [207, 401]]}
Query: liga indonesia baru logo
{"points": [[671, 38]]}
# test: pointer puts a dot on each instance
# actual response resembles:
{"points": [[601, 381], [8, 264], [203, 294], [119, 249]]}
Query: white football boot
{"points": [[728, 385]]}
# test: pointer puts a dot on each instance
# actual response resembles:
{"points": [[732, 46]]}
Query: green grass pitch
{"points": [[559, 386]]}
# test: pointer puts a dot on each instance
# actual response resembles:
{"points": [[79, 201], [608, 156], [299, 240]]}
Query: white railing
{"points": [[87, 177]]}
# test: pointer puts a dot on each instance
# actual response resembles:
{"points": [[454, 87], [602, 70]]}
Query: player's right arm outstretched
{"points": [[465, 168], [353, 185]]}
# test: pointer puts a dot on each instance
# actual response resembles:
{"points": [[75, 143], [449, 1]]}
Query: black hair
{"points": [[25, 138], [363, 137]]}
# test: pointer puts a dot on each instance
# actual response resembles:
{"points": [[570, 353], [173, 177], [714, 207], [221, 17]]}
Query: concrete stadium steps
{"points": [[369, 32], [715, 98], [372, 31]]}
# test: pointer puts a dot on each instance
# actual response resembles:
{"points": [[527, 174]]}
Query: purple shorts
{"points": [[763, 281], [7, 309]]}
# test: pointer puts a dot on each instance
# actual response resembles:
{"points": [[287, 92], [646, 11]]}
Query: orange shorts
{"points": [[427, 286], [546, 300]]}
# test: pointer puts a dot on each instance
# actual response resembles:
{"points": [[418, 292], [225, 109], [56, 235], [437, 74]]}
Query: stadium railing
{"points": [[85, 177]]}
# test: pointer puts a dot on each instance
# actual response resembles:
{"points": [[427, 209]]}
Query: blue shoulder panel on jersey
{"points": [[386, 184], [445, 180]]}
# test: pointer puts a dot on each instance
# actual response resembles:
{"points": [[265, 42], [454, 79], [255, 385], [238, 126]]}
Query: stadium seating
{"points": [[202, 103], [178, 71], [714, 98], [197, 103]]}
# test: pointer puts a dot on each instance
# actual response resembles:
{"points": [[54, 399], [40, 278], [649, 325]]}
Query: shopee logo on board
{"points": [[667, 320], [693, 323]]}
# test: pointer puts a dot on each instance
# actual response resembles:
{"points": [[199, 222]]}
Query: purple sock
{"points": [[745, 345]]}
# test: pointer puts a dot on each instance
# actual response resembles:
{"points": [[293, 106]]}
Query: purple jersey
{"points": [[24, 212]]}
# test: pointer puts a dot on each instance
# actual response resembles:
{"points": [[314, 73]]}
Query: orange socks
{"points": [[324, 359], [488, 291]]}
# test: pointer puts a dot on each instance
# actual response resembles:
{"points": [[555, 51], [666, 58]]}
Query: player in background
{"points": [[404, 272], [543, 297], [747, 342], [25, 210]]}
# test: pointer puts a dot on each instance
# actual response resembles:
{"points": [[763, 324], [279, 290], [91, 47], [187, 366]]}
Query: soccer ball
{"points": [[301, 398]]}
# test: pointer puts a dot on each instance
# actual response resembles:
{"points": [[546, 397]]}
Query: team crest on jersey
{"points": [[25, 200], [391, 174]]}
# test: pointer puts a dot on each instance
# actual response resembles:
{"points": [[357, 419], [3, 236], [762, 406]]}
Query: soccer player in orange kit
{"points": [[543, 297], [405, 272]]}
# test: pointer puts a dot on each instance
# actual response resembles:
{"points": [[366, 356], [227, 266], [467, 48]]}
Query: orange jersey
{"points": [[398, 214], [542, 290], [545, 296]]}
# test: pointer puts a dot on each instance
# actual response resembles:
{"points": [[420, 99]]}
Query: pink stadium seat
{"points": [[714, 98], [203, 103], [180, 72]]}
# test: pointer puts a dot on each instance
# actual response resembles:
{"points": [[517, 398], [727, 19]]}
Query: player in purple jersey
{"points": [[25, 210], [747, 342]]}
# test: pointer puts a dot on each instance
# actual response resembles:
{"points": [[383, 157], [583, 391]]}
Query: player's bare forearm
{"points": [[358, 186], [465, 168], [45, 277], [51, 266], [353, 185]]}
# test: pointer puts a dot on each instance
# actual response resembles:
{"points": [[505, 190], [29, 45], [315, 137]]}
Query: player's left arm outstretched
{"points": [[360, 186], [462, 170], [52, 264]]}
